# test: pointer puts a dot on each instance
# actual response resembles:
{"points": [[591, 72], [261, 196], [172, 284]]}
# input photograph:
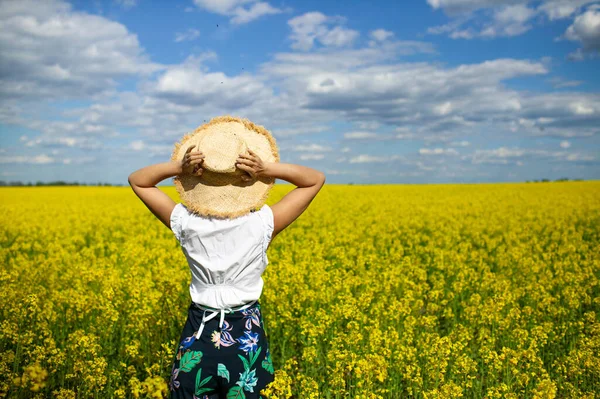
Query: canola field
{"points": [[402, 291]]}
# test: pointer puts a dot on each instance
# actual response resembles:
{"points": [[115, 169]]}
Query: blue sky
{"points": [[427, 91]]}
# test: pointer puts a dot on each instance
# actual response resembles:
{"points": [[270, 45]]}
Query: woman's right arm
{"points": [[308, 182]]}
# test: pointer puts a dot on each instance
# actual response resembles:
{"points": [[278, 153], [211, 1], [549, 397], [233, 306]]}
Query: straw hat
{"points": [[220, 190]]}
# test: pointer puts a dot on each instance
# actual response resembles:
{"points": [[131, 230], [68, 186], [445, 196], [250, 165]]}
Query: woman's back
{"points": [[226, 256]]}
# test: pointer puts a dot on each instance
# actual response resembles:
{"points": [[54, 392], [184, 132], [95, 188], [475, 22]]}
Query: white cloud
{"points": [[150, 149], [463, 143], [313, 26], [459, 6], [50, 51], [506, 156], [337, 172], [78, 160], [65, 141], [240, 11], [364, 158], [381, 34], [305, 129], [554, 9], [418, 96], [579, 157], [430, 102], [188, 35], [515, 13], [496, 18], [137, 145], [559, 114], [296, 66], [565, 144], [361, 135], [581, 108], [190, 84], [510, 21], [127, 3], [405, 134], [370, 125], [311, 157], [438, 151], [311, 147], [35, 159], [559, 83], [586, 30], [560, 9], [255, 11], [338, 37], [81, 128], [577, 55], [507, 20], [345, 149], [443, 109]]}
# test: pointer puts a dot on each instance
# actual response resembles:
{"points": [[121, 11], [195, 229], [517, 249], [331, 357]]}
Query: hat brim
{"points": [[222, 195]]}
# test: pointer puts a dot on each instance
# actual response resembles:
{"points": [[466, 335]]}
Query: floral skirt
{"points": [[229, 360]]}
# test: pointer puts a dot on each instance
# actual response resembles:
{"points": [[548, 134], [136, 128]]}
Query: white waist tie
{"points": [[216, 312]]}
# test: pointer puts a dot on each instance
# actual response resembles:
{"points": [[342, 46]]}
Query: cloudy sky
{"points": [[426, 91]]}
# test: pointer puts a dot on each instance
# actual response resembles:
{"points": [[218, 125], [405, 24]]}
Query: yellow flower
{"points": [[34, 377]]}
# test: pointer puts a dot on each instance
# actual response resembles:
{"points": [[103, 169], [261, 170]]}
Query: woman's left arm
{"points": [[144, 181]]}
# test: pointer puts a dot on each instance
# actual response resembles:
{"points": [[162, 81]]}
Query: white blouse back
{"points": [[226, 256]]}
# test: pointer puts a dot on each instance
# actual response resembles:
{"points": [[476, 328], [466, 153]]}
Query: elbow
{"points": [[130, 180], [321, 178]]}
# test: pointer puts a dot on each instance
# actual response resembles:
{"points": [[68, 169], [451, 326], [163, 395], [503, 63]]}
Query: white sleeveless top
{"points": [[226, 256]]}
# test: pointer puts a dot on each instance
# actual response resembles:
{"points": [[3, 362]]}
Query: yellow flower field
{"points": [[425, 291]]}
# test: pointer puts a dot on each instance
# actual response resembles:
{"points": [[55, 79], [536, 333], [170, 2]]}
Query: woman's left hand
{"points": [[193, 160]]}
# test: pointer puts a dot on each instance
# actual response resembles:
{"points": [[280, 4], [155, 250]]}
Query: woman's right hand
{"points": [[251, 164], [192, 161]]}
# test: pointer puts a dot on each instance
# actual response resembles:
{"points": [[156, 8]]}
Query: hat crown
{"points": [[221, 148], [224, 194]]}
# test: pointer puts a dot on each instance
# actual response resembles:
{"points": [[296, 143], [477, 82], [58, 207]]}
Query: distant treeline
{"points": [[55, 183], [547, 180]]}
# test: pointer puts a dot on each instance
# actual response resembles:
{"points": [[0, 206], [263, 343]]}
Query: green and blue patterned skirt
{"points": [[222, 357]]}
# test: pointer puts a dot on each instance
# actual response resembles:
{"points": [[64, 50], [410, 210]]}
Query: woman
{"points": [[226, 356]]}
